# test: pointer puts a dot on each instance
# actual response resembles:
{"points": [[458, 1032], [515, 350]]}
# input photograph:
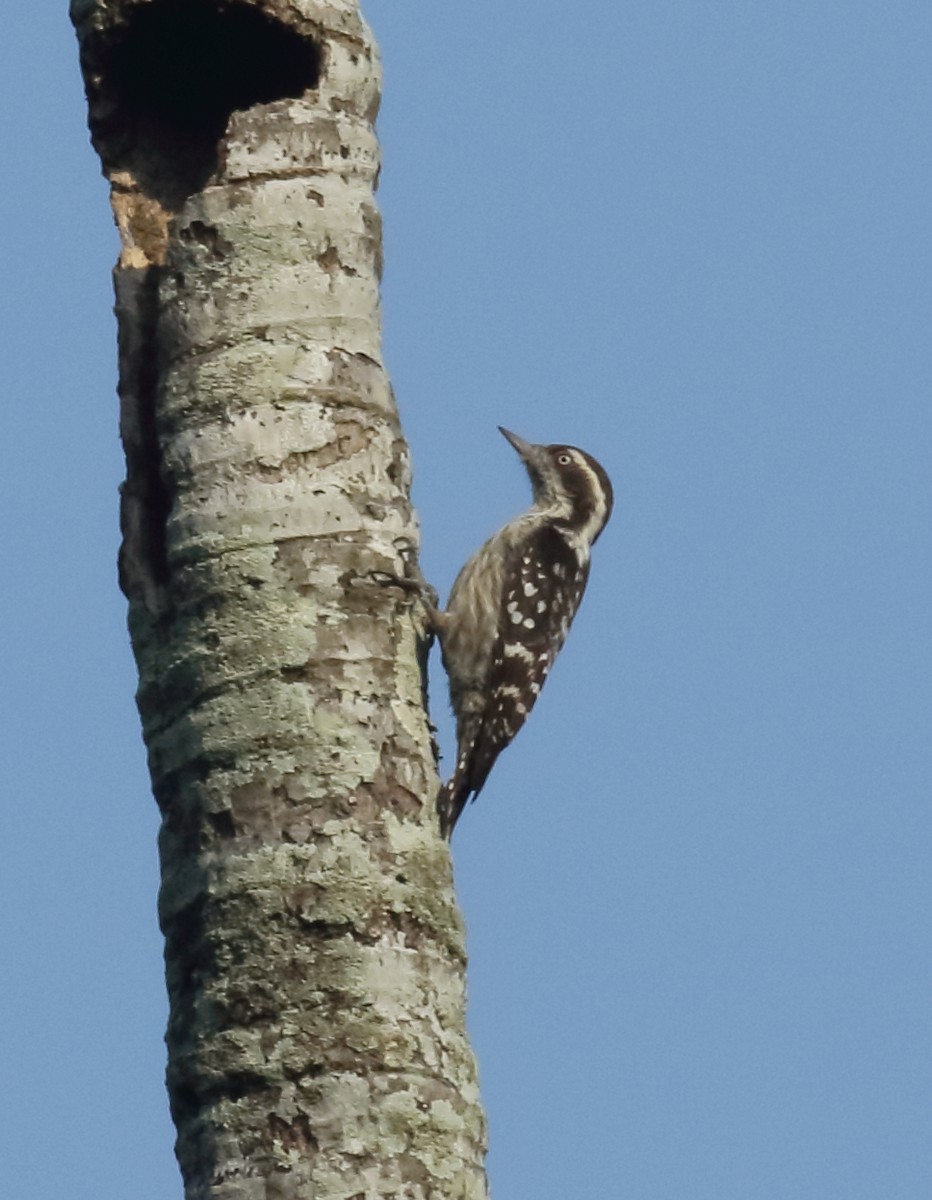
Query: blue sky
{"points": [[693, 238]]}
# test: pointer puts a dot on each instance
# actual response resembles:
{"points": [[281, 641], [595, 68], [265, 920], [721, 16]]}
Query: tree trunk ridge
{"points": [[314, 953]]}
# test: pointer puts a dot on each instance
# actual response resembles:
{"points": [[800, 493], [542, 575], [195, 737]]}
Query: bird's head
{"points": [[567, 483]]}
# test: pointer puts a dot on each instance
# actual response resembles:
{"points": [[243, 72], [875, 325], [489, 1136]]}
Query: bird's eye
{"points": [[564, 460]]}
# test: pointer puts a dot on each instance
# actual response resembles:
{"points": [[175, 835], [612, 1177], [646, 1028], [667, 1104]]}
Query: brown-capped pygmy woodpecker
{"points": [[510, 609]]}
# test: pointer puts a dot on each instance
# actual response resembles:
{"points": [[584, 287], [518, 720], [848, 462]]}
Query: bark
{"points": [[314, 953]]}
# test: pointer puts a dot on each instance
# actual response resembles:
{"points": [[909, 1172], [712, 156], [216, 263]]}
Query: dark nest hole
{"points": [[172, 74]]}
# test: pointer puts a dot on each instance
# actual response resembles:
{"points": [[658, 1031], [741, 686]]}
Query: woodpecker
{"points": [[510, 609]]}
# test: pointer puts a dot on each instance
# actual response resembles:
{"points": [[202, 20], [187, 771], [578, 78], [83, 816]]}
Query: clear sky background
{"points": [[694, 238]]}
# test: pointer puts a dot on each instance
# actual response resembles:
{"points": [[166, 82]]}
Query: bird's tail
{"points": [[451, 800], [472, 770]]}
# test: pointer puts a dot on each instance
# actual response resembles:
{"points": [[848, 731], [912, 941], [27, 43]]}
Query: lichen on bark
{"points": [[314, 953]]}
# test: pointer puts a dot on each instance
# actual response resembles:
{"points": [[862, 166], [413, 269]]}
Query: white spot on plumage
{"points": [[528, 623], [530, 589], [515, 617]]}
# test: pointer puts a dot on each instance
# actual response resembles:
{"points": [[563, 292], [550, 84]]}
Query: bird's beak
{"points": [[525, 449]]}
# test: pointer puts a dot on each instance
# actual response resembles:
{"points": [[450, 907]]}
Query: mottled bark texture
{"points": [[315, 956]]}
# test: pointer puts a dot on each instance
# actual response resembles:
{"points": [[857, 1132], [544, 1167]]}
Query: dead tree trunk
{"points": [[314, 953]]}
